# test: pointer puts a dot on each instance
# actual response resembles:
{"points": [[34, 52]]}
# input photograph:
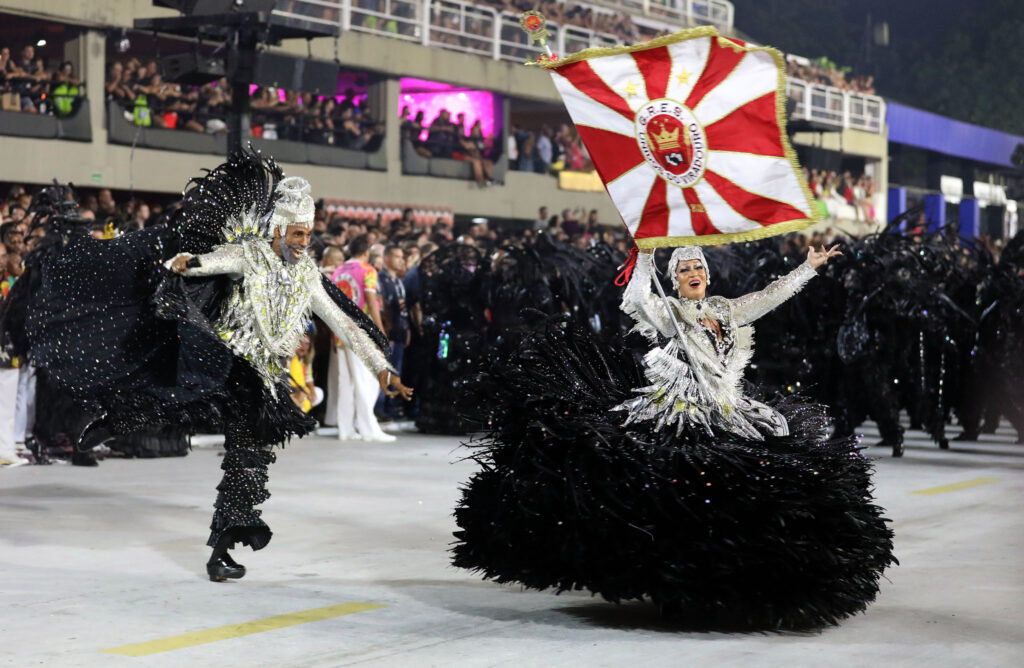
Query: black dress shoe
{"points": [[95, 433], [83, 459], [220, 570], [226, 558]]}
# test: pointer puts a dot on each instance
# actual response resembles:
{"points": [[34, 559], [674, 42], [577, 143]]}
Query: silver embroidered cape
{"points": [[268, 311], [696, 380]]}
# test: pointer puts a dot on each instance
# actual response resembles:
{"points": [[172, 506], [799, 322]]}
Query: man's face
{"points": [[294, 243], [29, 52], [13, 263], [15, 242], [395, 260]]}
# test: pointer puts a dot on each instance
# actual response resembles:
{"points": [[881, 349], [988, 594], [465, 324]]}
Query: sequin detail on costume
{"points": [[698, 380]]}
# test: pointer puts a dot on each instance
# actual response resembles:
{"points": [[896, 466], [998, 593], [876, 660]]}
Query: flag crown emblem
{"points": [[667, 140]]}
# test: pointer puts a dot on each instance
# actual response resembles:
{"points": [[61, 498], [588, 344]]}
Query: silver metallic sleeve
{"points": [[748, 308], [640, 303], [226, 259], [349, 332]]}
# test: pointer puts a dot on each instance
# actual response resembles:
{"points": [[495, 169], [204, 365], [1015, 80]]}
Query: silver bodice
{"points": [[697, 378], [270, 306]]}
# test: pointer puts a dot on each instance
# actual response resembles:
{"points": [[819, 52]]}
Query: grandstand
{"points": [[397, 58]]}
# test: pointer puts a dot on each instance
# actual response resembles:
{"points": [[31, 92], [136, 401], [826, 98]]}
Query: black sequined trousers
{"points": [[254, 421], [243, 487]]}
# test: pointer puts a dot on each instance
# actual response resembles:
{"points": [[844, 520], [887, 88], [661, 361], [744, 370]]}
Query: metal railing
{"points": [[718, 13], [400, 19], [464, 26], [836, 107]]}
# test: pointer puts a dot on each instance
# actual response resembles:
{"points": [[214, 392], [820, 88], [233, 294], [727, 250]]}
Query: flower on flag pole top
{"points": [[687, 132]]}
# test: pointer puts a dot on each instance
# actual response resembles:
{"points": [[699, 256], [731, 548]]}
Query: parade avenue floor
{"points": [[105, 567]]}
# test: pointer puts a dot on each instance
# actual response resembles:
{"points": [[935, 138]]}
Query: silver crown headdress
{"points": [[683, 254], [294, 205]]}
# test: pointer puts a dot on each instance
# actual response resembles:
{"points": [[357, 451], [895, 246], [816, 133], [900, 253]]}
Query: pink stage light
{"points": [[431, 97]]}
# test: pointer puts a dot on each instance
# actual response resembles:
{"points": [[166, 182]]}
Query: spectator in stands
{"points": [[544, 149], [13, 239], [413, 131], [350, 133], [372, 129], [5, 62], [542, 219], [140, 213], [528, 152], [473, 148], [27, 75], [212, 106], [441, 140], [106, 206]]}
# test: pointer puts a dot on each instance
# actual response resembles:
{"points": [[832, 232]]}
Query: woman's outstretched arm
{"points": [[750, 307]]}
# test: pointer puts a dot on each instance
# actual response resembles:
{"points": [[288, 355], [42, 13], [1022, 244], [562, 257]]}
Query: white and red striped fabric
{"points": [[687, 133]]}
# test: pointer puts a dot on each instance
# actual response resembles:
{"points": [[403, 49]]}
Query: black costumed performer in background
{"points": [[726, 511], [207, 346]]}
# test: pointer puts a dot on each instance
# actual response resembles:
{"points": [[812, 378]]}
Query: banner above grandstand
{"points": [[688, 135]]}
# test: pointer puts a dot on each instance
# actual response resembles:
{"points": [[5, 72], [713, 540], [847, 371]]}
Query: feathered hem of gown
{"points": [[774, 534]]}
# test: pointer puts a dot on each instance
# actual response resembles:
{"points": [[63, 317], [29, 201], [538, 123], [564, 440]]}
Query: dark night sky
{"points": [[960, 58]]}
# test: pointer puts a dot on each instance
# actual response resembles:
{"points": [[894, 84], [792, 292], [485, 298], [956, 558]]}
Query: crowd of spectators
{"points": [[149, 101], [27, 85], [832, 191], [547, 150], [447, 138], [823, 71], [346, 121]]}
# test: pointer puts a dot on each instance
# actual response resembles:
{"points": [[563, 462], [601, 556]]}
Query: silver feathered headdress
{"points": [[683, 254], [294, 205]]}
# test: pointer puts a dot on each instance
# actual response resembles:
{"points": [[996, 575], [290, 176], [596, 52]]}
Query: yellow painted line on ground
{"points": [[955, 486], [238, 630]]}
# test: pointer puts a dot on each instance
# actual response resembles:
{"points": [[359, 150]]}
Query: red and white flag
{"points": [[688, 135]]}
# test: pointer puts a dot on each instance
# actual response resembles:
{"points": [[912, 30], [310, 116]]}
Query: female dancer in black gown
{"points": [[725, 510]]}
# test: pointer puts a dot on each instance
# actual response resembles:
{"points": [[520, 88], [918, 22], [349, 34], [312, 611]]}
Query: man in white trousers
{"points": [[25, 411], [351, 388]]}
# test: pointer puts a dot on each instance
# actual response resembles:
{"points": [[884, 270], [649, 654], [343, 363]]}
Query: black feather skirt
{"points": [[727, 532]]}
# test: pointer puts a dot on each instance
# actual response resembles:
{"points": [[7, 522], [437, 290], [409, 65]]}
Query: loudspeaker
{"points": [[308, 76], [191, 69]]}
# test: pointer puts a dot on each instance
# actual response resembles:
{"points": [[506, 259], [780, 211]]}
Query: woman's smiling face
{"points": [[692, 278]]}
